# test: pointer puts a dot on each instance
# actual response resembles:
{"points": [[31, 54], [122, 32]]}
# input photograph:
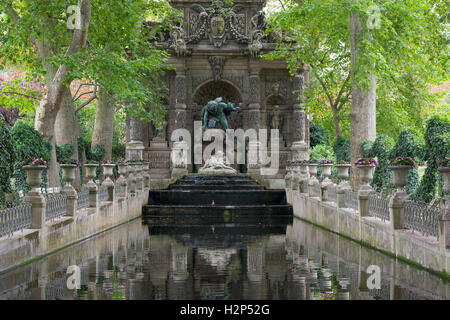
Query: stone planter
{"points": [[343, 171], [313, 169], [326, 170], [34, 176], [122, 169], [446, 173], [68, 173], [366, 173], [91, 171], [400, 176], [108, 170]]}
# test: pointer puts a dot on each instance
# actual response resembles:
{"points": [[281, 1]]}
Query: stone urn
{"points": [[326, 170], [68, 173], [122, 169], [366, 173], [313, 169], [34, 176], [400, 176], [343, 171], [446, 174], [91, 171], [108, 170]]}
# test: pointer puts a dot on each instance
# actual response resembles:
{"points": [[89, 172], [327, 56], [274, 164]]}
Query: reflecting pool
{"points": [[298, 261]]}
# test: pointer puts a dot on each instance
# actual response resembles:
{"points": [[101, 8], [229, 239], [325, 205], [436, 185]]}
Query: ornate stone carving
{"points": [[254, 94], [298, 86], [217, 63], [237, 80], [258, 22], [276, 86], [177, 41], [277, 118], [180, 88], [217, 22]]}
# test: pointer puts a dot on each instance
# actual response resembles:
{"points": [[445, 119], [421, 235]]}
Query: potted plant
{"points": [[68, 170], [444, 168], [400, 167], [367, 167], [34, 168]]}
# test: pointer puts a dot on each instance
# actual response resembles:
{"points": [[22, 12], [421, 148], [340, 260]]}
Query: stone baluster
{"points": [[123, 169], [139, 178], [326, 182], [132, 178], [91, 186], [366, 175], [343, 174], [397, 201], [68, 177], [304, 177], [35, 197], [108, 182], [313, 179]]}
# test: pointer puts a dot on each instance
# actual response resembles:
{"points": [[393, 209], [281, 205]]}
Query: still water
{"points": [[296, 261]]}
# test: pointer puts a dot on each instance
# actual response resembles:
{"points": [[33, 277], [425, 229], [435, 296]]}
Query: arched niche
{"points": [[213, 89]]}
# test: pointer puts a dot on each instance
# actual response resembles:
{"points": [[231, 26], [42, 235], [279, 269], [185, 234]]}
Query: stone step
{"points": [[159, 210], [210, 233], [219, 197], [216, 187]]}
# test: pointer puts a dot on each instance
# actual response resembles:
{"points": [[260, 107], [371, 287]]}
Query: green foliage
{"points": [[28, 143], [366, 149], [341, 148], [6, 162], [322, 151], [318, 134], [64, 152], [408, 146], [97, 153], [436, 149], [382, 149]]}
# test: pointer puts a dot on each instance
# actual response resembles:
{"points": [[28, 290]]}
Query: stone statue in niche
{"points": [[217, 111], [276, 118]]}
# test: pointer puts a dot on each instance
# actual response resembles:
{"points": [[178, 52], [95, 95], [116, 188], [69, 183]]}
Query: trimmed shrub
{"points": [[27, 143], [64, 152], [341, 148], [382, 149], [97, 153], [408, 146], [318, 134], [436, 149], [6, 162]]}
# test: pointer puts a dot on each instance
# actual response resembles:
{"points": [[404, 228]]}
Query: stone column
{"points": [[72, 199], [179, 148], [135, 147], [300, 149], [254, 115]]}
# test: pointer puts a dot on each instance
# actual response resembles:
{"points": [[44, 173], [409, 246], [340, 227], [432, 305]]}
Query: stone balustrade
{"points": [[395, 224], [43, 224]]}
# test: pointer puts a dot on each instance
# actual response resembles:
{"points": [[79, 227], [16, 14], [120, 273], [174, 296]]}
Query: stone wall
{"points": [[403, 244], [30, 244]]}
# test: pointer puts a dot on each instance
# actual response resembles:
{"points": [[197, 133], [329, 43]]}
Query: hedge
{"points": [[6, 162]]}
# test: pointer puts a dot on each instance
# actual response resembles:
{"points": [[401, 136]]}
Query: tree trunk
{"points": [[363, 108], [104, 123], [67, 129], [49, 106], [45, 124]]}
